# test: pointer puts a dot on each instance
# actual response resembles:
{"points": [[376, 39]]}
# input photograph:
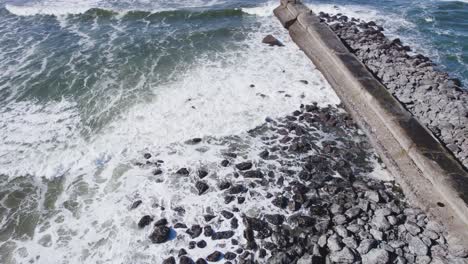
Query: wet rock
{"points": [[183, 172], [193, 141], [224, 185], [157, 172], [136, 204], [180, 225], [201, 244], [182, 252], [185, 260], [280, 201], [275, 219], [161, 222], [202, 187], [272, 41], [214, 257], [208, 231], [195, 231], [237, 189], [255, 174], [227, 214], [144, 221], [201, 261], [208, 217], [222, 235], [244, 166], [160, 234], [170, 260], [230, 255], [225, 163], [264, 154], [202, 174]]}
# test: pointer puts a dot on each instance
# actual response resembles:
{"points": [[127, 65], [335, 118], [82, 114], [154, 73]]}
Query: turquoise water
{"points": [[87, 86]]}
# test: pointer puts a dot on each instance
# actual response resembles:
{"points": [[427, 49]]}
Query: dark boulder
{"points": [[160, 234], [202, 187], [244, 166], [272, 41], [144, 221]]}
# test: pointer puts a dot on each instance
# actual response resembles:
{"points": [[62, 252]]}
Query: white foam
{"points": [[263, 11], [67, 7], [214, 98]]}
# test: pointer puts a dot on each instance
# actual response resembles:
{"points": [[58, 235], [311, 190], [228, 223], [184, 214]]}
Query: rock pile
{"points": [[311, 170], [431, 95]]}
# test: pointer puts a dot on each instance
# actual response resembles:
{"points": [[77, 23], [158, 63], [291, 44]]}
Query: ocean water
{"points": [[87, 87]]}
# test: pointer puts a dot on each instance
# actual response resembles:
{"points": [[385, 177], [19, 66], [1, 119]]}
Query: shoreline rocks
{"points": [[434, 97], [320, 205]]}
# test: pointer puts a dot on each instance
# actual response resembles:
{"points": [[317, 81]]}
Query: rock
{"points": [[208, 231], [244, 166], [275, 219], [147, 156], [202, 174], [413, 228], [366, 245], [201, 261], [202, 187], [201, 244], [340, 219], [417, 246], [193, 141], [180, 225], [227, 214], [144, 221], [264, 154], [222, 235], [341, 231], [423, 259], [182, 252], [225, 163], [381, 222], [373, 196], [224, 185], [350, 242], [272, 41], [161, 222], [376, 256], [183, 171], [214, 257], [334, 243], [230, 255], [343, 256], [280, 201], [255, 174], [353, 212], [237, 189], [195, 231], [160, 234], [136, 204], [170, 260], [185, 260]]}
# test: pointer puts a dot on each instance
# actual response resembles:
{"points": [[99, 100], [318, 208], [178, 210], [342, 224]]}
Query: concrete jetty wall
{"points": [[429, 174]]}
